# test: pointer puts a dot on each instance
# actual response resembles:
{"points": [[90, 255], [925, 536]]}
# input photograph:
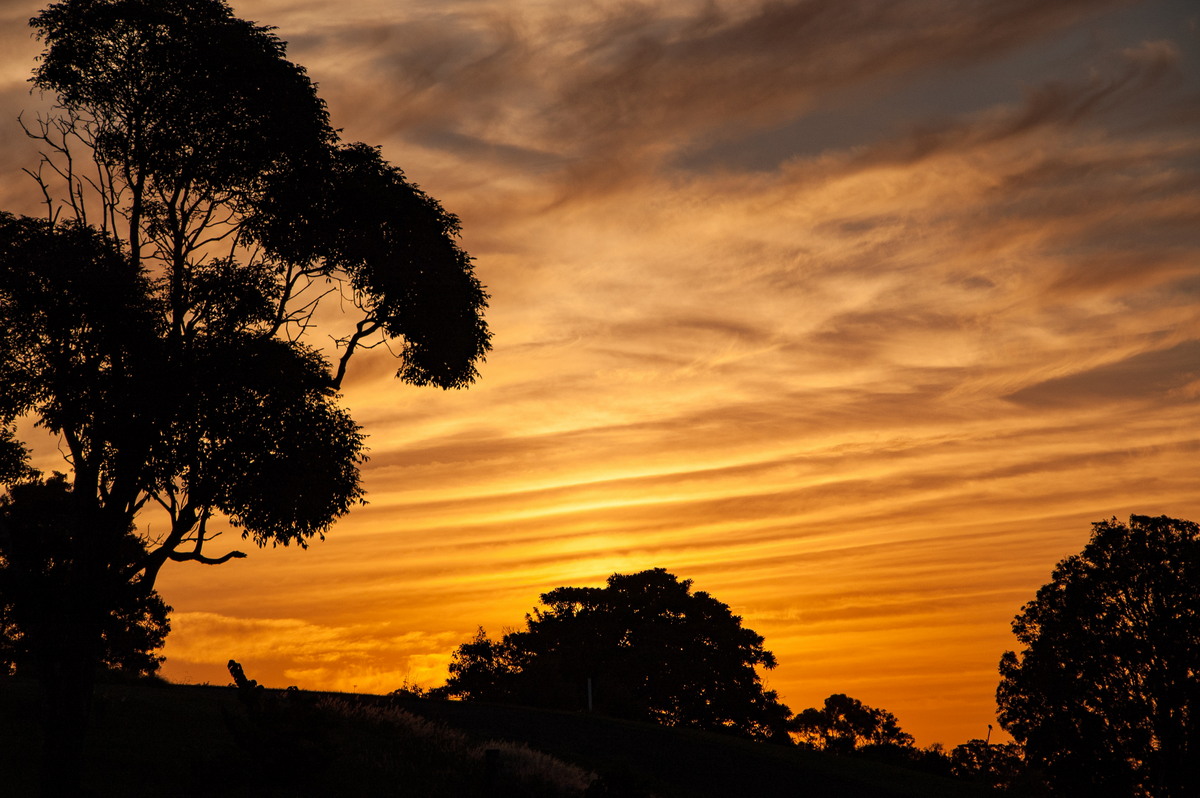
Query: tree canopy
{"points": [[160, 316], [645, 645], [998, 765], [843, 724], [1104, 693]]}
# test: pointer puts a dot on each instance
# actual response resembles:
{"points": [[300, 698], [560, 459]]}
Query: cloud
{"points": [[1139, 72], [603, 95], [1171, 374]]}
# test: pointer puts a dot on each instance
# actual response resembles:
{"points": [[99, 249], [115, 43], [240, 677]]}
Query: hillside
{"points": [[201, 741]]}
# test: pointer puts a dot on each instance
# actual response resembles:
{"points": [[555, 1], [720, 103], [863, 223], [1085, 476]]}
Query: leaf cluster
{"points": [[181, 94], [222, 419]]}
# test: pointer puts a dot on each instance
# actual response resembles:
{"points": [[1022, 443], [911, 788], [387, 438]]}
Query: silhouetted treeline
{"points": [[1101, 701]]}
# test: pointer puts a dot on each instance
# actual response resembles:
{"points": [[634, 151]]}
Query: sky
{"points": [[858, 314]]}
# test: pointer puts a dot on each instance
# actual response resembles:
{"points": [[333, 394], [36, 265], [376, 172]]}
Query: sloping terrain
{"points": [[185, 740], [646, 759]]}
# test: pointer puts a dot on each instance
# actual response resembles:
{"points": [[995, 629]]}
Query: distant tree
{"points": [[199, 208], [1105, 693], [844, 724], [998, 765], [483, 669], [651, 649]]}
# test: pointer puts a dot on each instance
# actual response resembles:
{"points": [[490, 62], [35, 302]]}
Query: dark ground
{"points": [[183, 740]]}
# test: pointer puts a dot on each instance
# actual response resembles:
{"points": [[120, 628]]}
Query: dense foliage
{"points": [[49, 590], [1104, 695], [644, 646], [843, 724], [998, 765]]}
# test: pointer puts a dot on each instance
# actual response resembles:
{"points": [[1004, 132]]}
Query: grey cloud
{"points": [[647, 81], [861, 336], [692, 82], [1147, 376], [477, 149], [1052, 103]]}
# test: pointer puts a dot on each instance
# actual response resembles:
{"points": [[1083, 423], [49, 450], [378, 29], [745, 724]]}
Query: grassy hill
{"points": [[179, 740]]}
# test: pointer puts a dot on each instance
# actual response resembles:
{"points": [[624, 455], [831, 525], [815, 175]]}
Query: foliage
{"points": [[212, 421], [645, 646], [162, 336], [843, 724], [155, 320], [48, 591], [14, 459], [1104, 694], [998, 765]]}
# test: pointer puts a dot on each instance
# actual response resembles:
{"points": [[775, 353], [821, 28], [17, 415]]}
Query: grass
{"points": [[187, 740]]}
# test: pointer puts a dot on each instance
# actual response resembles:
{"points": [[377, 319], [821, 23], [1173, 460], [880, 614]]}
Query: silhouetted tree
{"points": [[44, 585], [199, 208], [844, 724], [650, 647], [998, 765], [483, 670], [1103, 696]]}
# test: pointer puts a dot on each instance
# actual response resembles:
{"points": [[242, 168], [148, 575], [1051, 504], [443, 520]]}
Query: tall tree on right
{"points": [[1104, 695]]}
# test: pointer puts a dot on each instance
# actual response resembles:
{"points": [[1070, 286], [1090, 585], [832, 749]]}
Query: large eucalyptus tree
{"points": [[199, 210]]}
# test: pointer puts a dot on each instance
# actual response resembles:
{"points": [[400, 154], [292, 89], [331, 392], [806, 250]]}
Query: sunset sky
{"points": [[855, 313]]}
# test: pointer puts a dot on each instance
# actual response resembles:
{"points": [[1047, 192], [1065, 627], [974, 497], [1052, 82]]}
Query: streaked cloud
{"points": [[1156, 376]]}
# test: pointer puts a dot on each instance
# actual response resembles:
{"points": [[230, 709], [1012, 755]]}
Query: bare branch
{"points": [[362, 329], [200, 558]]}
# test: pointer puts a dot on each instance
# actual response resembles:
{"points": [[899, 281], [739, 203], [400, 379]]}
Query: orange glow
{"points": [[859, 328]]}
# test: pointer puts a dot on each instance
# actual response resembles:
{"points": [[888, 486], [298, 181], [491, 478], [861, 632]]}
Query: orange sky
{"points": [[855, 313]]}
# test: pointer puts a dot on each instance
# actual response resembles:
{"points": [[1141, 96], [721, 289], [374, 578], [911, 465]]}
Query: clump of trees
{"points": [[1000, 766], [645, 646], [1101, 701], [844, 724], [1104, 695], [199, 208]]}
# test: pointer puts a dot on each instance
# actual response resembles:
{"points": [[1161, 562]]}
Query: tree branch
{"points": [[364, 328], [194, 556]]}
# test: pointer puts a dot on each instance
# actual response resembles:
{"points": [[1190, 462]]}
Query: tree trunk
{"points": [[67, 661]]}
